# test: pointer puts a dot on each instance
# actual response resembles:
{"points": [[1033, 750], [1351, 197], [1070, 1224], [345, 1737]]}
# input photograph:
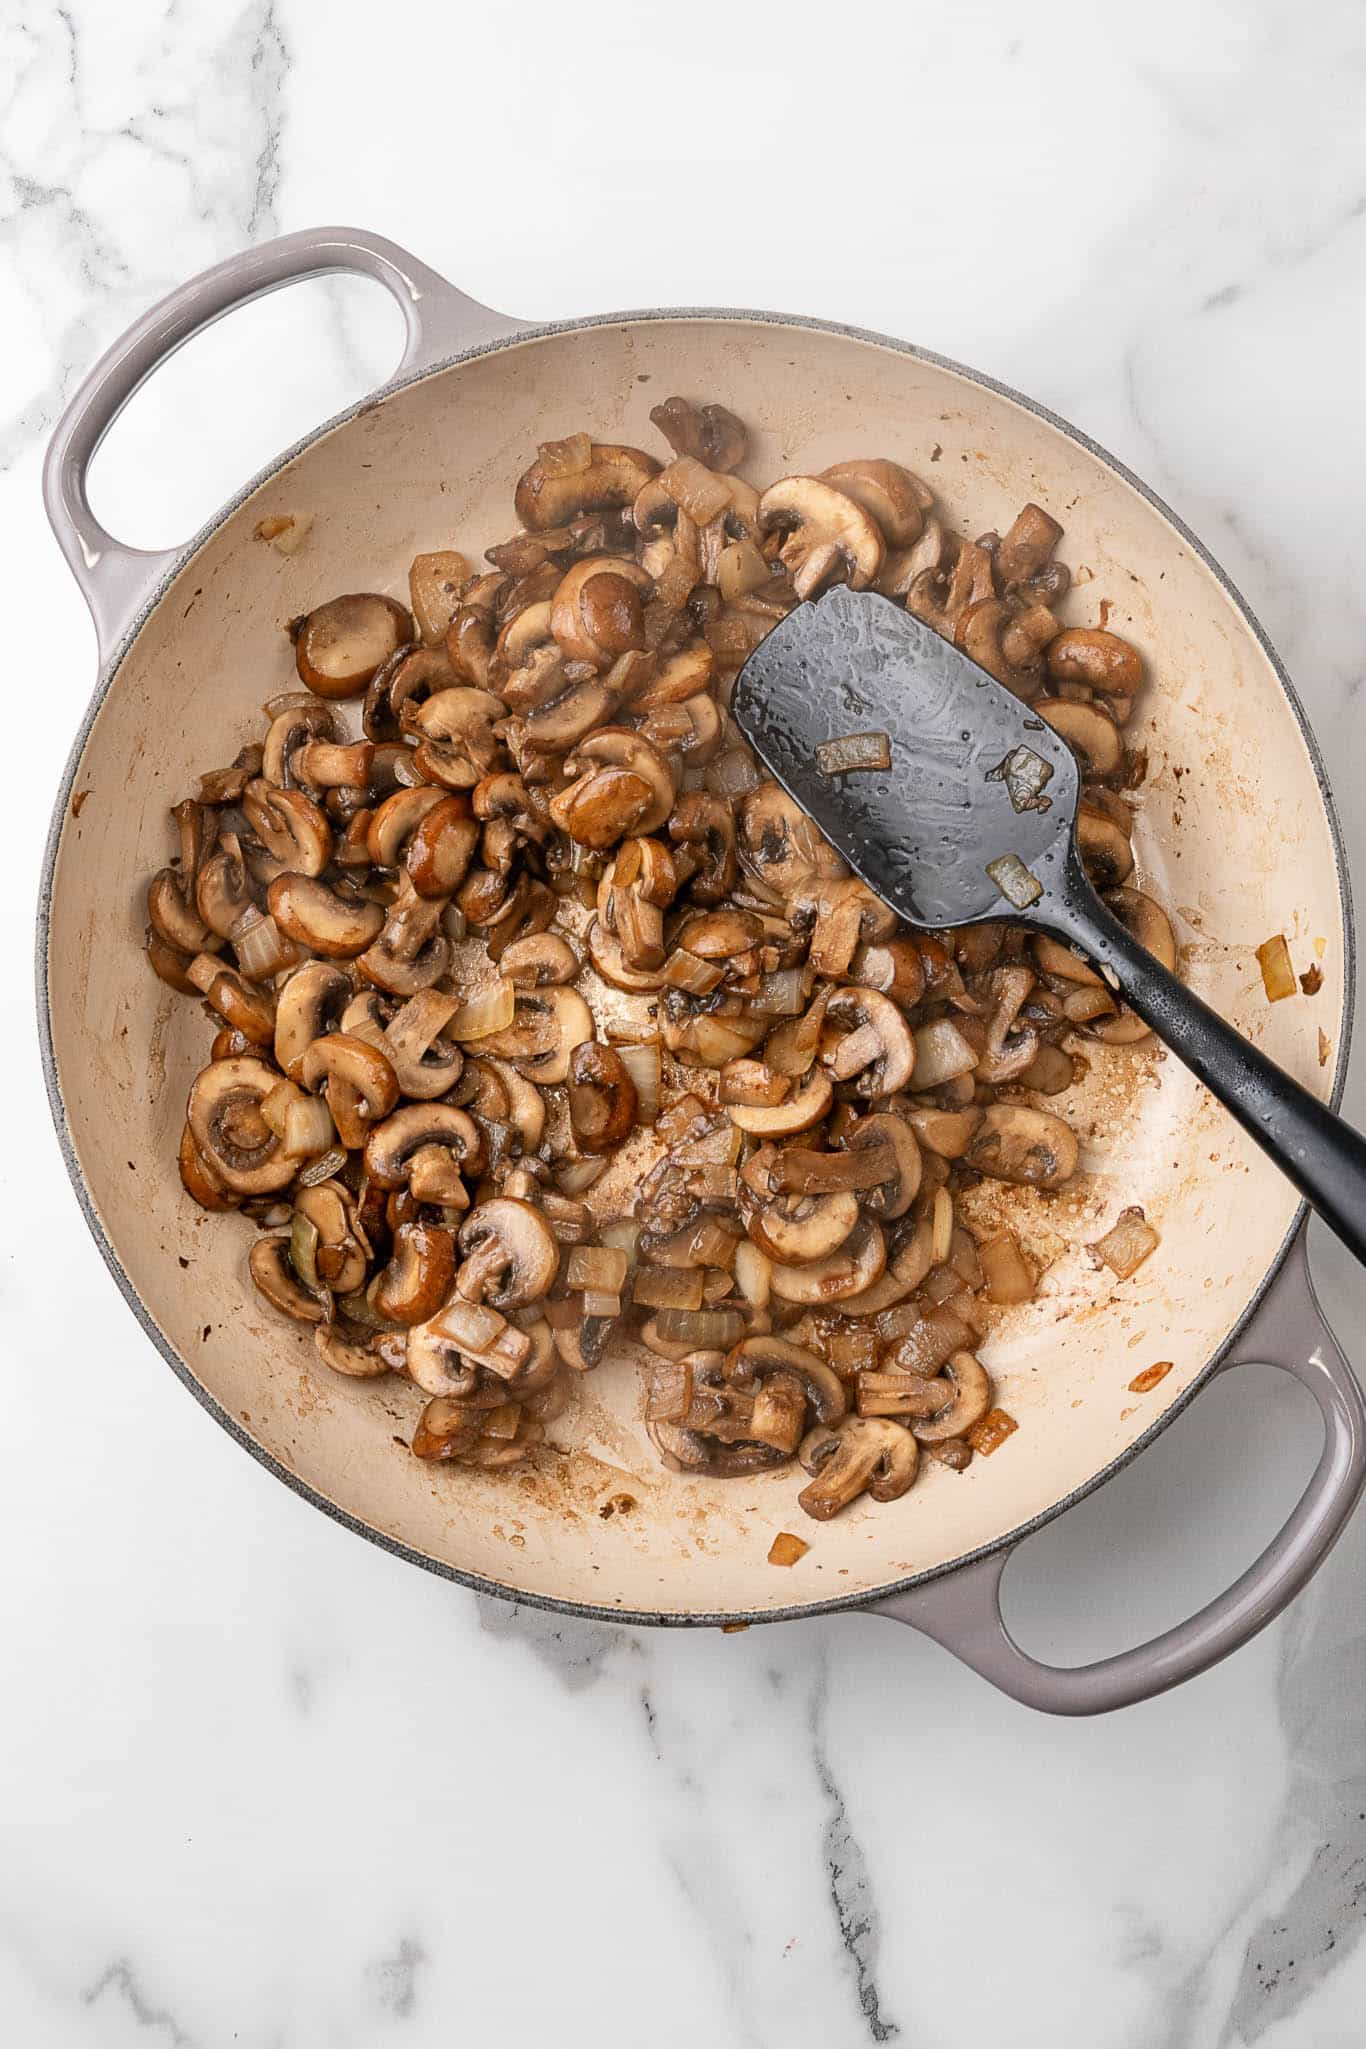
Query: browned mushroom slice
{"points": [[830, 538], [357, 1079], [894, 499], [840, 915], [795, 1228], [273, 1275], [412, 951], [176, 919], [821, 1385], [341, 644], [805, 1106], [541, 958], [876, 1045], [969, 1398], [223, 889], [1006, 643], [1151, 927], [293, 830], [942, 595], [339, 1253], [860, 1455], [703, 827], [780, 846], [309, 1005], [198, 1178], [598, 610], [1101, 660], [1104, 847], [846, 1272], [418, 1277], [948, 1133], [307, 910], [577, 476], [456, 741], [510, 1254], [354, 1351], [890, 1138], [238, 1147], [602, 1097], [393, 823], [1089, 731], [605, 952], [245, 1009], [548, 1024], [1016, 1143], [1026, 549], [1009, 1048], [431, 1146], [709, 433], [435, 584], [622, 786]]}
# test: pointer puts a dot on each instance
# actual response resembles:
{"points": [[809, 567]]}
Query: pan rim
{"points": [[856, 1602]]}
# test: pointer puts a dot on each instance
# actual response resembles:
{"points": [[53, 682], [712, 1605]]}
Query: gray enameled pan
{"points": [[1236, 833]]}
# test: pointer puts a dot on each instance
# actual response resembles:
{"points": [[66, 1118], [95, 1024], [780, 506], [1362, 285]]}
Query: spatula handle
{"points": [[1324, 1157]]}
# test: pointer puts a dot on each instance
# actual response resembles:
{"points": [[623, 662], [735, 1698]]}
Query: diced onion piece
{"points": [[453, 922], [309, 1129], [599, 1302], [791, 1049], [1081, 1005], [740, 568], [781, 993], [1127, 1243], [1007, 1273], [1014, 881], [567, 458], [622, 1233], [686, 971], [854, 752], [601, 1267], [670, 1392], [714, 1243], [716, 1285], [492, 1010], [303, 1250], [719, 1148], [733, 774], [323, 1168], [713, 1184], [573, 1176], [941, 1054], [753, 1274], [991, 1433], [1278, 975], [704, 1329], [941, 1227], [261, 947], [420, 1022], [787, 1549], [696, 489], [668, 1287], [274, 1106], [501, 1423], [642, 1064], [686, 1118]]}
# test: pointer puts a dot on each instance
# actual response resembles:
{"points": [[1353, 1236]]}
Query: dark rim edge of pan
{"points": [[475, 1582]]}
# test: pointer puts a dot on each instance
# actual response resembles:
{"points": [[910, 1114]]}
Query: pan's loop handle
{"points": [[963, 1610], [115, 579]]}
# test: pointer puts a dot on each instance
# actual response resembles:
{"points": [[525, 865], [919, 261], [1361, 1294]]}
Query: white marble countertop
{"points": [[262, 1784]]}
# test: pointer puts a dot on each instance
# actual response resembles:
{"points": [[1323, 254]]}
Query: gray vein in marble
{"points": [[851, 1891], [395, 1977], [122, 1983], [574, 1651]]}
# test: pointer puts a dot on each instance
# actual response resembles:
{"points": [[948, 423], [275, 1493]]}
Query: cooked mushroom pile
{"points": [[406, 935]]}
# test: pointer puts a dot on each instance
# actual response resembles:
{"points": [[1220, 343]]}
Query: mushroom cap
{"points": [[1090, 655], [509, 1244], [358, 1066], [308, 911], [833, 532], [878, 1046], [617, 747], [614, 475], [1106, 852], [892, 497], [824, 1389], [970, 1399], [861, 1454], [224, 1118], [289, 825], [1030, 1147], [1088, 730], [419, 1275], [342, 643], [310, 1004], [390, 1147]]}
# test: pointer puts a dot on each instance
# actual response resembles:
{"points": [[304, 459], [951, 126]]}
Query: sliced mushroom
{"points": [[605, 952], [846, 1272], [411, 951], [942, 595], [757, 1356], [1106, 853], [894, 499], [307, 910], [1088, 730], [947, 1133], [555, 490], [357, 1080], [598, 610], [876, 1044], [198, 1177], [273, 1275], [970, 1398], [710, 433], [393, 823], [176, 919], [895, 967], [418, 1277], [1008, 1050], [840, 916], [796, 1228], [456, 741], [830, 536], [340, 645], [245, 1009], [431, 1147], [892, 1197], [803, 1108], [1007, 644], [1101, 660], [548, 1025], [309, 1005], [539, 959], [350, 1349], [223, 889], [239, 1149], [780, 846], [1151, 927], [704, 827], [621, 786], [861, 1455], [1026, 549], [1015, 1143], [602, 1097], [510, 1254], [410, 675]]}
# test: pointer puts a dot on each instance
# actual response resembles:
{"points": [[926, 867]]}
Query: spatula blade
{"points": [[974, 775]]}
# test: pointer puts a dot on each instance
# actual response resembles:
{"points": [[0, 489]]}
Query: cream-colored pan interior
{"points": [[1232, 835]]}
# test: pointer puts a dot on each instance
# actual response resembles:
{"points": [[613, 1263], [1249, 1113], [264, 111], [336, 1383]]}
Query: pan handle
{"points": [[115, 579], [962, 1610]]}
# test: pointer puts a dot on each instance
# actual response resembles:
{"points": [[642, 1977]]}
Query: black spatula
{"points": [[974, 818]]}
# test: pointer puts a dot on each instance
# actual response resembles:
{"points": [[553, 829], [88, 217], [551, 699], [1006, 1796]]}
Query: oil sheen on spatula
{"points": [[971, 818]]}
